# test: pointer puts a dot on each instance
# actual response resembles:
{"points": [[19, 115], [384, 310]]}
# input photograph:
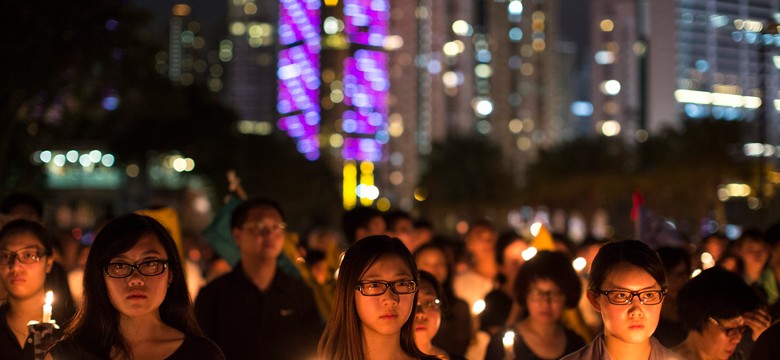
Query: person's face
{"points": [[730, 264], [375, 226], [754, 253], [385, 315], [713, 246], [676, 279], [23, 281], [481, 242], [434, 262], [138, 294], [321, 241], [423, 235], [633, 323], [513, 259], [714, 341], [427, 318], [589, 253], [23, 211], [545, 301], [404, 231], [262, 234]]}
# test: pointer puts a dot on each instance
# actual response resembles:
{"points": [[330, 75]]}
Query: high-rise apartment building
{"points": [[250, 51], [659, 62]]}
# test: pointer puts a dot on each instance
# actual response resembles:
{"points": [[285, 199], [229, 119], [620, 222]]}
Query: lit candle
{"points": [[478, 307], [579, 264], [529, 253], [47, 307], [509, 345]]}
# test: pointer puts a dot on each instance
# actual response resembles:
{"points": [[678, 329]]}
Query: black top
{"points": [[670, 333], [495, 349], [498, 306], [193, 347], [9, 346], [767, 346], [454, 333], [197, 347], [279, 323]]}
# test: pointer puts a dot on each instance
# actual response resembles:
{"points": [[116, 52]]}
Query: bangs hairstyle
{"points": [[343, 335], [24, 226], [548, 265], [627, 252], [716, 293], [95, 328]]}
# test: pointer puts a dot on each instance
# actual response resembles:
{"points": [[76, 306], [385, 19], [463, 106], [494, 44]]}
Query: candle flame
{"points": [[478, 307], [509, 338], [579, 264], [49, 297], [529, 253]]}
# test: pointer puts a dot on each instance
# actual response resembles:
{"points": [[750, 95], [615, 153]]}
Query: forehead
{"points": [[388, 266], [430, 254], [543, 284], [260, 213], [624, 276], [733, 322], [149, 244], [515, 247], [20, 240]]}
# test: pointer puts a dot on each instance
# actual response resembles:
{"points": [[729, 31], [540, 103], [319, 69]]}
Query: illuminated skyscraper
{"points": [[472, 67], [725, 60], [251, 54], [189, 60], [704, 58], [615, 82], [522, 73]]}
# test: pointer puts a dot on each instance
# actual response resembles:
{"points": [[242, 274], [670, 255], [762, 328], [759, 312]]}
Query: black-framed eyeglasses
{"points": [[432, 305], [376, 288], [28, 255], [730, 332], [626, 297], [260, 228], [147, 268]]}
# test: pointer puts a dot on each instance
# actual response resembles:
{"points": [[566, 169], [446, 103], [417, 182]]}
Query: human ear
{"points": [[49, 264], [594, 302]]}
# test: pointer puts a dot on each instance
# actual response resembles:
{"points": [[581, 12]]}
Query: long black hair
{"points": [[95, 329], [343, 336]]}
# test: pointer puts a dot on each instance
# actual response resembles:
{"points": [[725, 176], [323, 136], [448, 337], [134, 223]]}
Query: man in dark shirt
{"points": [[257, 311]]}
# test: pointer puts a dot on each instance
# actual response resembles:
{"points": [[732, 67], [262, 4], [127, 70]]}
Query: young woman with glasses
{"points": [[544, 287], [376, 295], [136, 304], [25, 261], [627, 287], [716, 308]]}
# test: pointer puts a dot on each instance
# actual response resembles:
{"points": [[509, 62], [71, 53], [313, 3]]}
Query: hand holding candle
{"points": [[47, 307]]}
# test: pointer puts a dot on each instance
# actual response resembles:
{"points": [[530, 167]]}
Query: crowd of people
{"points": [[384, 286]]}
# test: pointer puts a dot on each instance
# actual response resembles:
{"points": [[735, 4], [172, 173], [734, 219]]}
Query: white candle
{"points": [[509, 345], [47, 307]]}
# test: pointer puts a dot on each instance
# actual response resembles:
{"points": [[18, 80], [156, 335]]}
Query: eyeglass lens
{"points": [[24, 256], [147, 268]]}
